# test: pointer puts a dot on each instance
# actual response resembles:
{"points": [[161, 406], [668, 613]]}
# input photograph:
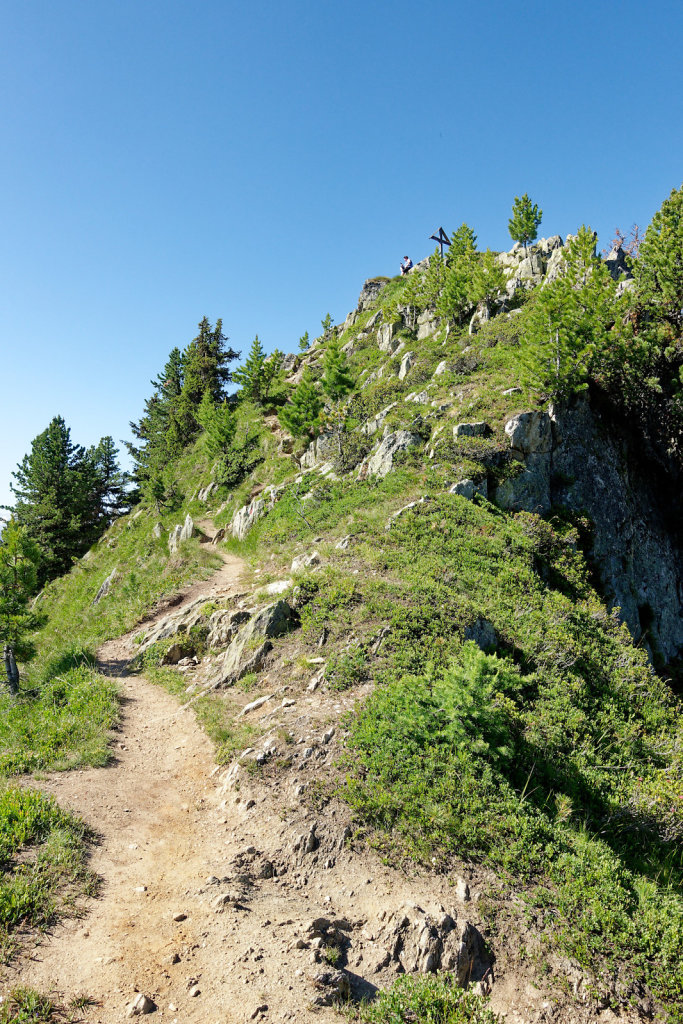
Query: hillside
{"points": [[435, 648]]}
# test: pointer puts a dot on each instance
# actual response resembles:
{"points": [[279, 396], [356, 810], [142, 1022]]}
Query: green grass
{"points": [[43, 863], [427, 999], [27, 1006]]}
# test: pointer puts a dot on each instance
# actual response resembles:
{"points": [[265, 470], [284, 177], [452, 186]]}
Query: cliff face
{"points": [[572, 459]]}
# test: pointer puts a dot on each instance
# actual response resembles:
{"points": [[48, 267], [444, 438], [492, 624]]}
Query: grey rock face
{"points": [[386, 341], [320, 450], [174, 539], [478, 429], [482, 633], [157, 530], [617, 264], [530, 432], [252, 643], [106, 586], [570, 459], [376, 423], [468, 488], [187, 530], [246, 517], [407, 363], [205, 492], [382, 461], [369, 293]]}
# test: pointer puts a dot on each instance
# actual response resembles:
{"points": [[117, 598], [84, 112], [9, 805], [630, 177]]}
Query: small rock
{"points": [[194, 991], [180, 916], [462, 890], [140, 1005], [263, 1008]]}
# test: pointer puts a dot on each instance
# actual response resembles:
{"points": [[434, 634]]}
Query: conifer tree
{"points": [[526, 217], [570, 322], [219, 423], [488, 280], [259, 374], [304, 342], [301, 415], [19, 558], [337, 383], [658, 270], [205, 363], [455, 300]]}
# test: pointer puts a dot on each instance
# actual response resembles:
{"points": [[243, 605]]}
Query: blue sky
{"points": [[256, 162]]}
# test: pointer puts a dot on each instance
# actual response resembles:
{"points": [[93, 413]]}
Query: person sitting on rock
{"points": [[406, 265]]}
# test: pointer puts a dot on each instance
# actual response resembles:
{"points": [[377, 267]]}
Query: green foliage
{"points": [[525, 219], [327, 323], [242, 456], [61, 724], [658, 270], [570, 324], [488, 281], [42, 857], [170, 419], [301, 415], [66, 496], [219, 423], [304, 342], [427, 999], [338, 380], [19, 558], [456, 300], [260, 374], [27, 1006], [347, 669]]}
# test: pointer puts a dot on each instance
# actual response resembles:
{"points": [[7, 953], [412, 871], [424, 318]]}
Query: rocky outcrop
{"points": [[370, 292], [478, 429], [245, 518], [180, 533], [382, 461], [407, 363], [252, 643], [567, 457], [319, 451], [106, 586]]}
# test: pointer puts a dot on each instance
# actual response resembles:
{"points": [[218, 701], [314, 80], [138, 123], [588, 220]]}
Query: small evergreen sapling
{"points": [[524, 222], [338, 382], [304, 342], [259, 374], [301, 415]]}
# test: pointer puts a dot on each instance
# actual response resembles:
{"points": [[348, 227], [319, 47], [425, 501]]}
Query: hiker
{"points": [[406, 265]]}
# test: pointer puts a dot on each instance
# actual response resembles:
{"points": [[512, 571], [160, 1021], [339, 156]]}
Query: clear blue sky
{"points": [[162, 160]]}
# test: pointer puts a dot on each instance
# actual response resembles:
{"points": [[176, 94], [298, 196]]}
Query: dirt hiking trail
{"points": [[222, 889]]}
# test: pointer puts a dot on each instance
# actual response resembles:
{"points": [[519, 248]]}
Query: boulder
{"points": [[187, 529], [302, 562], [427, 324], [157, 531], [141, 1005], [246, 517], [252, 643], [106, 586], [478, 429], [530, 432], [374, 424], [320, 450], [174, 539], [529, 490], [441, 368], [468, 488], [386, 340], [482, 633], [407, 362], [382, 461], [205, 492]]}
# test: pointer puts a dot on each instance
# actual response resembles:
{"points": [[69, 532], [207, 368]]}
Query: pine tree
{"points": [[304, 342], [205, 363], [455, 300], [259, 374], [526, 217], [337, 383], [570, 322], [19, 558], [301, 415], [488, 281], [49, 500], [658, 271], [219, 423]]}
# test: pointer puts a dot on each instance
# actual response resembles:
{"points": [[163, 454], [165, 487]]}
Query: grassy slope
{"points": [[555, 759]]}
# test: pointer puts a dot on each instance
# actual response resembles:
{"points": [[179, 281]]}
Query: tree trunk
{"points": [[11, 670]]}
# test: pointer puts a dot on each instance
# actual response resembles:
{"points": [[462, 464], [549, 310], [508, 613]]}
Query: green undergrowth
{"points": [[43, 864], [429, 999], [65, 723]]}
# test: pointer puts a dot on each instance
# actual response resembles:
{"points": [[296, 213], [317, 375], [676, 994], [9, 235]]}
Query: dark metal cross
{"points": [[442, 239]]}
